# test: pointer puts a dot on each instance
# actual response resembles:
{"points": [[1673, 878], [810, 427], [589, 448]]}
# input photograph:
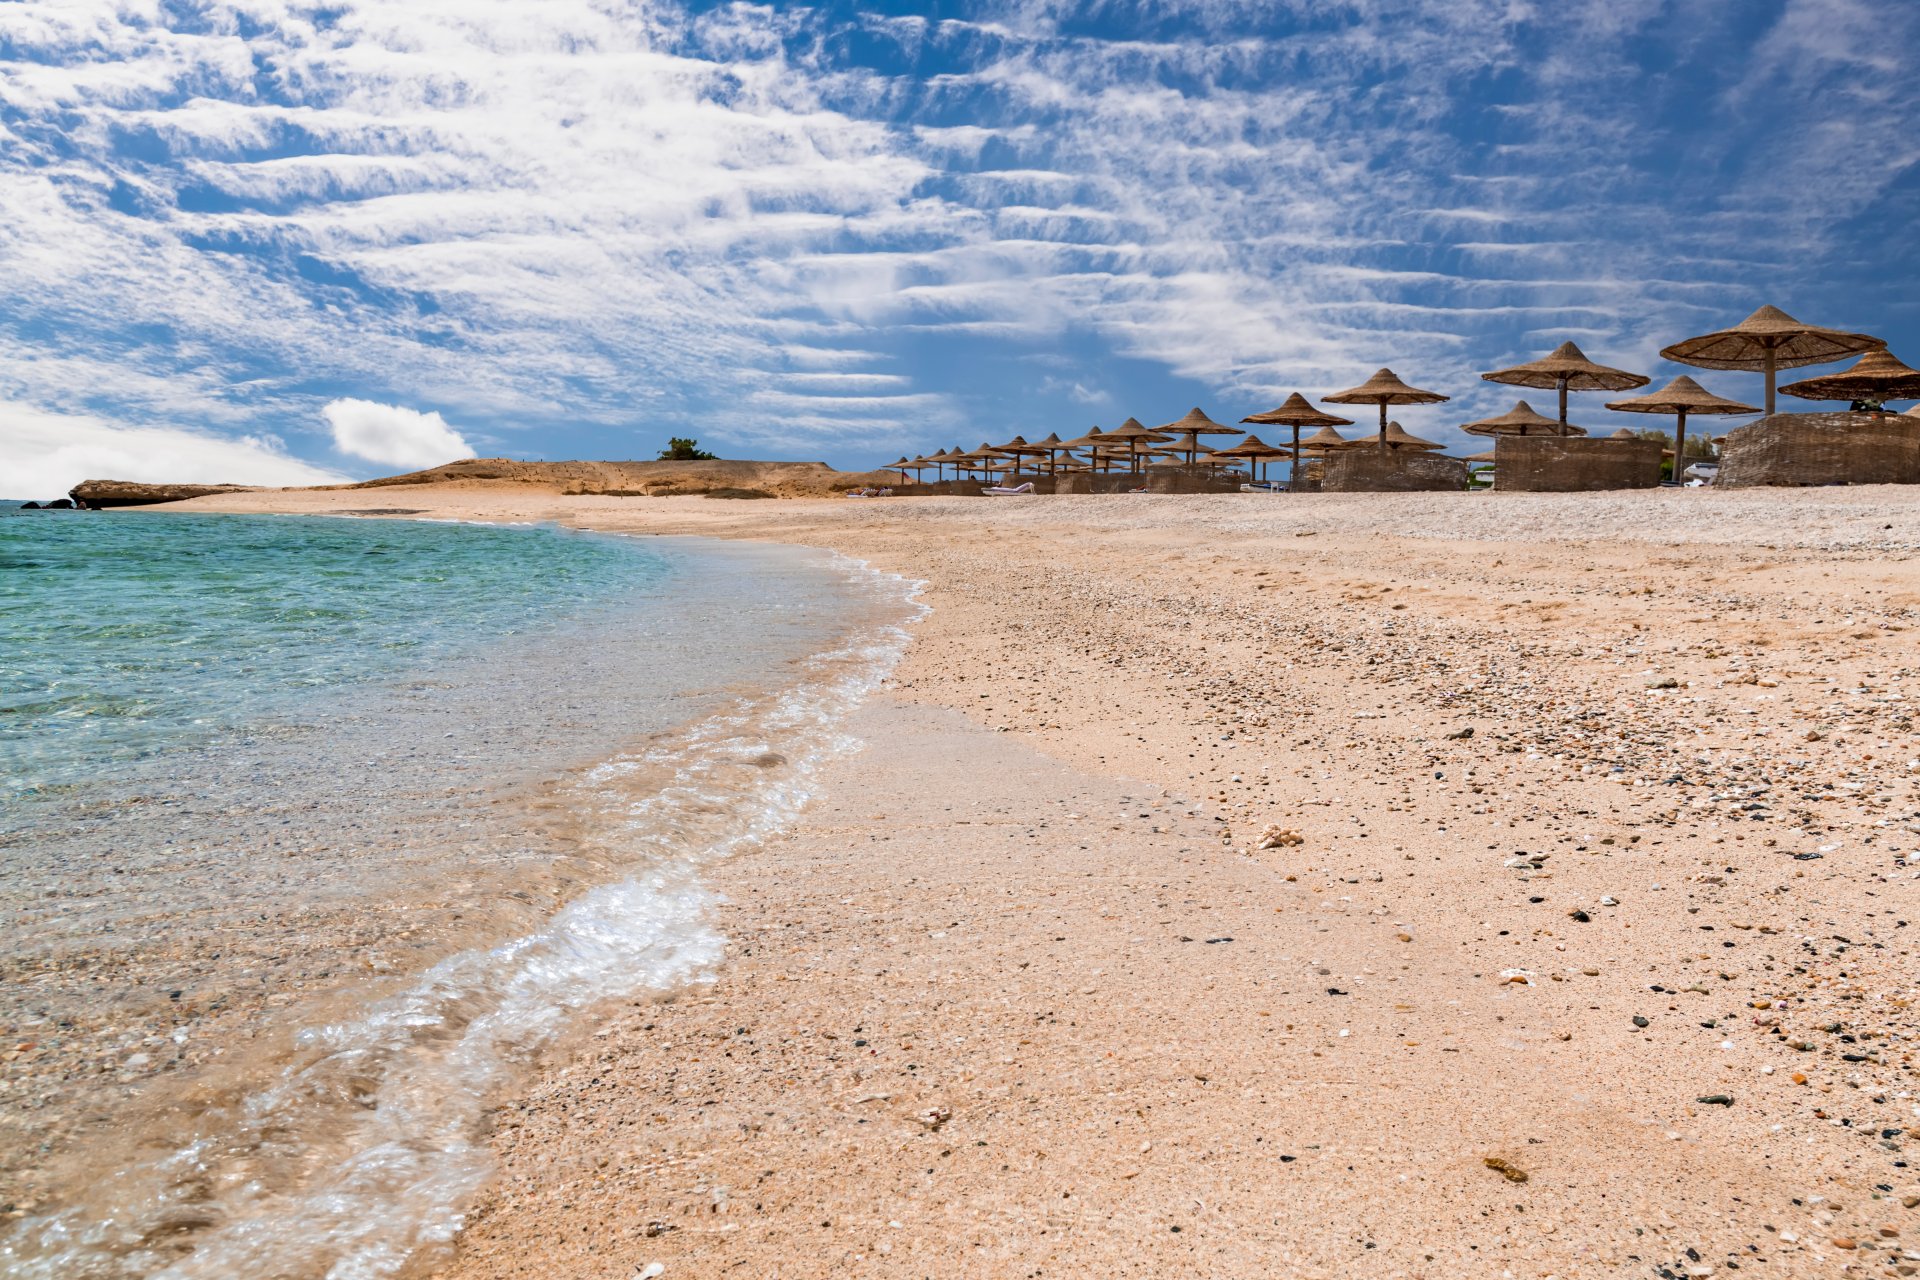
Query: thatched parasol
{"points": [[1681, 397], [962, 461], [1519, 421], [1769, 340], [1877, 376], [1194, 425], [1397, 438], [1488, 456], [1295, 412], [1187, 449], [1052, 447], [1385, 388], [1018, 448], [985, 456], [1566, 368], [1091, 440], [1133, 434], [1253, 448], [1327, 440]]}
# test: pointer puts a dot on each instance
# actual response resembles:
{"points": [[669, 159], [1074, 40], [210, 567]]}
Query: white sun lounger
{"points": [[1001, 491]]}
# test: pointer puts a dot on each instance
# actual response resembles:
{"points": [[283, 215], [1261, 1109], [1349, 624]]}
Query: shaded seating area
{"points": [[1533, 452]]}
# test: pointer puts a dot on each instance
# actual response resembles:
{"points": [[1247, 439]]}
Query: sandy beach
{"points": [[1414, 885]]}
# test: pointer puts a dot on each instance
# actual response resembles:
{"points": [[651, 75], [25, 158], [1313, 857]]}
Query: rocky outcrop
{"points": [[1574, 464], [1821, 448], [96, 495]]}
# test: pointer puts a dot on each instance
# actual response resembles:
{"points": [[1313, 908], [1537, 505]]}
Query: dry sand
{"points": [[1607, 835]]}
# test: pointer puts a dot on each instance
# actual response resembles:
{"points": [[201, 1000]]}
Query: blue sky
{"points": [[282, 241]]}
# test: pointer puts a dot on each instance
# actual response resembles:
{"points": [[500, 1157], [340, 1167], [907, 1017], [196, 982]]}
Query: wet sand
{"points": [[1641, 935]]}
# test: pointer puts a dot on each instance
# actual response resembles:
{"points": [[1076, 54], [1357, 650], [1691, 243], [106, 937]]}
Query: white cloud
{"points": [[611, 211], [42, 455], [393, 434]]}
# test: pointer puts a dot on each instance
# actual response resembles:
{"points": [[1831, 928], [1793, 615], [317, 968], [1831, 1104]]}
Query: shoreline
{"points": [[1270, 681], [157, 990]]}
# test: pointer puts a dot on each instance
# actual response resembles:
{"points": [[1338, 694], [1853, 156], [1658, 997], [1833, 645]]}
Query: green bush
{"points": [[680, 450]]}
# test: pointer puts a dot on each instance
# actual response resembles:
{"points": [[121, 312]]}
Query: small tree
{"points": [[681, 450]]}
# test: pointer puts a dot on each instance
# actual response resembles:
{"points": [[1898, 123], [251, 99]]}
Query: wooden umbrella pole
{"points": [[1563, 404], [1383, 426], [1773, 360], [1680, 448], [1293, 477]]}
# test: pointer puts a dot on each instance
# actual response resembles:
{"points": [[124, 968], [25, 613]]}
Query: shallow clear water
{"points": [[319, 834], [122, 636]]}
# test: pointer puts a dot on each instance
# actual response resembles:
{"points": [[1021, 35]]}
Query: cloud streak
{"points": [[640, 217]]}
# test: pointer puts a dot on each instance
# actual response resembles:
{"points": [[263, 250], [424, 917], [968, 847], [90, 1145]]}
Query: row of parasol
{"points": [[1767, 341]]}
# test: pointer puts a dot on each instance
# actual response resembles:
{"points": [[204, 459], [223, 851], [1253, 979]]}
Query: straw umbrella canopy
{"points": [[1253, 449], [1052, 447], [1385, 388], [1295, 412], [1093, 441], [1876, 376], [1327, 440], [960, 460], [1681, 397], [1397, 438], [1188, 451], [985, 457], [1194, 425], [1018, 448], [1769, 340], [1519, 421], [1103, 457], [1132, 433], [1488, 456], [1566, 368]]}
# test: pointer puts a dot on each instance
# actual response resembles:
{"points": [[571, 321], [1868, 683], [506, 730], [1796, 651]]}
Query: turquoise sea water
{"points": [[123, 636], [316, 834]]}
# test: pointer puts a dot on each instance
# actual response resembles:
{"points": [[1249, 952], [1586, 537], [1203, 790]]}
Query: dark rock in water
{"points": [[58, 504], [99, 494], [29, 506]]}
